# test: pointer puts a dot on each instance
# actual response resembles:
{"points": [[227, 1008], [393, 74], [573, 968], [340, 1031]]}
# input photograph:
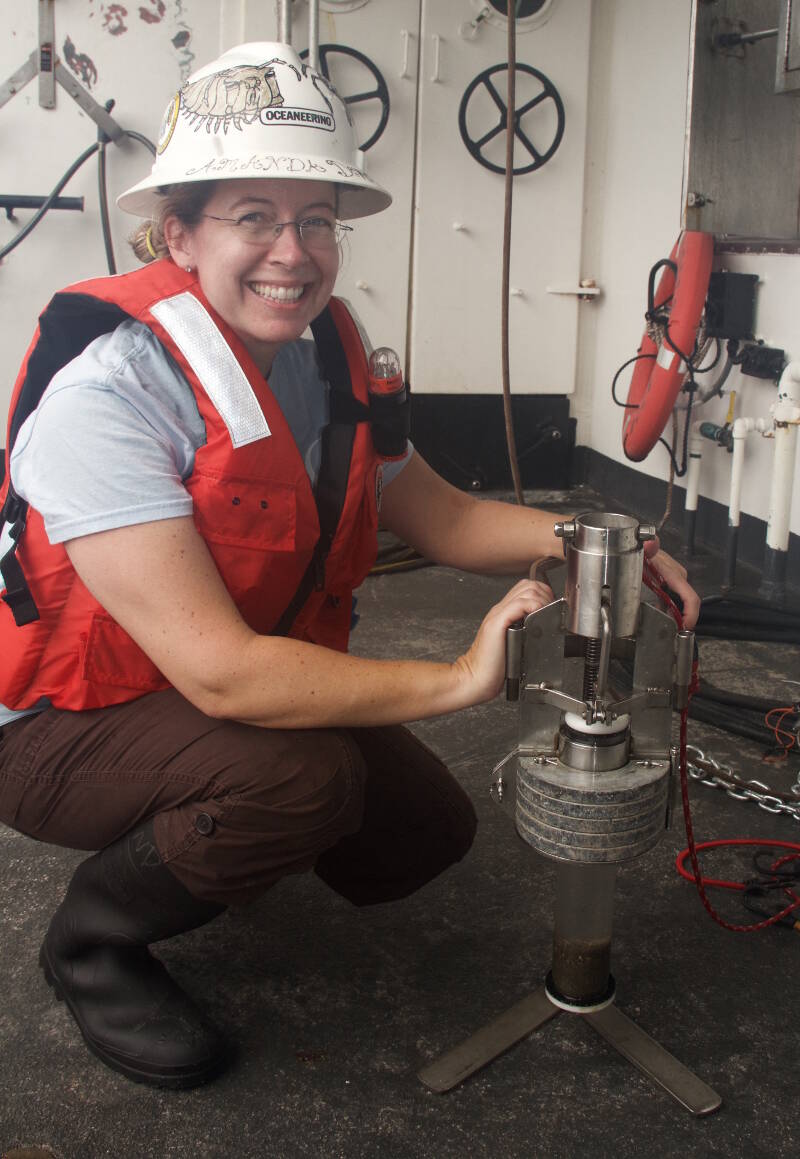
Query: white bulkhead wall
{"points": [[630, 204]]}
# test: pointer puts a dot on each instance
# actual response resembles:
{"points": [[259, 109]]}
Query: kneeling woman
{"points": [[194, 494]]}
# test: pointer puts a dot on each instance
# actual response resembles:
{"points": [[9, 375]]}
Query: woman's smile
{"points": [[285, 295]]}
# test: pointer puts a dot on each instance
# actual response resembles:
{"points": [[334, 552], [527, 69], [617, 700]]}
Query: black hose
{"points": [[140, 137], [739, 617], [105, 223], [742, 600], [756, 635], [734, 699], [735, 604], [758, 613], [735, 723], [43, 208], [653, 314], [753, 617], [98, 146]]}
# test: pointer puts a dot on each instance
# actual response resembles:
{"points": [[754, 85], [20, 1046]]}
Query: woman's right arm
{"points": [[184, 619]]}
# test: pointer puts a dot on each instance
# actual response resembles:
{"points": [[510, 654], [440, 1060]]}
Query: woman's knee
{"points": [[418, 821], [272, 813]]}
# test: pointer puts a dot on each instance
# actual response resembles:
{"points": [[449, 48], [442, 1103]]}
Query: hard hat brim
{"points": [[358, 195]]}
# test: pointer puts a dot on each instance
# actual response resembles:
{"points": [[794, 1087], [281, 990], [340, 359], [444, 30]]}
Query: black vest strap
{"points": [[337, 451], [17, 593], [66, 327]]}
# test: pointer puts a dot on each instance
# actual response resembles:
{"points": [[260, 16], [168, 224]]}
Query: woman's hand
{"points": [[482, 668], [675, 577]]}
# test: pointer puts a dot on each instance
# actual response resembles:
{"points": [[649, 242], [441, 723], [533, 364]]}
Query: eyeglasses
{"points": [[315, 233]]}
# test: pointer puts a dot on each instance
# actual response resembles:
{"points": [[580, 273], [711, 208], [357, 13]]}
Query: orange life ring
{"points": [[659, 370]]}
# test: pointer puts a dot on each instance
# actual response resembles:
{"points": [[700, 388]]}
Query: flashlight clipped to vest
{"points": [[388, 404]]}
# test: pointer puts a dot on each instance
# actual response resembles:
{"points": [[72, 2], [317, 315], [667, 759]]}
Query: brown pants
{"points": [[238, 807]]}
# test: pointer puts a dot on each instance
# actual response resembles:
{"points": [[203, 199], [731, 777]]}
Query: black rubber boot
{"points": [[132, 1015]]}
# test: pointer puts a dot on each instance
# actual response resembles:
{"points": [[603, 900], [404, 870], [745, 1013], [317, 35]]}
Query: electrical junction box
{"points": [[761, 361], [731, 306]]}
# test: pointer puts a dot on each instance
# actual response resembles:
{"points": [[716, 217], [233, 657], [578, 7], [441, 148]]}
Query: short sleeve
{"points": [[112, 440]]}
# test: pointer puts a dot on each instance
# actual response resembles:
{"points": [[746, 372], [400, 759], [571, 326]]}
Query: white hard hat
{"points": [[258, 111]]}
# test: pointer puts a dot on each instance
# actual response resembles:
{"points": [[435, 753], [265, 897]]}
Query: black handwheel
{"points": [[379, 93], [548, 93]]}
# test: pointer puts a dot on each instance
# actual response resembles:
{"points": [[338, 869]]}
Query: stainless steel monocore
{"points": [[589, 784]]}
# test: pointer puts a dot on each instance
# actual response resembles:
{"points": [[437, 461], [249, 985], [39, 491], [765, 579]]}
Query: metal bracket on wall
{"points": [[47, 37], [44, 63], [586, 290]]}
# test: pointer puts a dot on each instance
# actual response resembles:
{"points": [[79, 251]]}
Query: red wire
{"points": [[720, 884], [652, 578], [783, 860], [776, 728]]}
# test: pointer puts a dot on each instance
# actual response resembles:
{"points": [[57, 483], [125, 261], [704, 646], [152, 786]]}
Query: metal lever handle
{"points": [[515, 640], [541, 567], [437, 48], [406, 37], [515, 633], [684, 659]]}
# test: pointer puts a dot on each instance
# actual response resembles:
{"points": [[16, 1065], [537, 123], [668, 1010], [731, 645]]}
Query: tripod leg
{"points": [[656, 1062], [503, 1032]]}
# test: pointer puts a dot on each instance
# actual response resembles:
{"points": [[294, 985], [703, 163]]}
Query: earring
{"points": [[189, 269]]}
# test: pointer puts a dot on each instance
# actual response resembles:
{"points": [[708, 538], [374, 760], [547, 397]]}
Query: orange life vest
{"points": [[253, 502]]}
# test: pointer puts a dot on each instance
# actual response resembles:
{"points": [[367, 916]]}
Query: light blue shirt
{"points": [[114, 437]]}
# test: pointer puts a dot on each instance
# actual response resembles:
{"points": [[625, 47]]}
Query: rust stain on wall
{"points": [[182, 39], [114, 19], [82, 65], [154, 14]]}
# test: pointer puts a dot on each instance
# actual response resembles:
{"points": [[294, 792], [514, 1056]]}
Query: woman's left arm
{"points": [[459, 530]]}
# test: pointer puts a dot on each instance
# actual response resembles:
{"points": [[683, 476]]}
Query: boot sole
{"points": [[173, 1079]]}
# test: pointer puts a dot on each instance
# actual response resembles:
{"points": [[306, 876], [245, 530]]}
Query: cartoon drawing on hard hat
{"points": [[233, 97], [238, 96]]}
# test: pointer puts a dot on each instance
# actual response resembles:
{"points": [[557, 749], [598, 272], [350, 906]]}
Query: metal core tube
{"points": [[604, 564]]}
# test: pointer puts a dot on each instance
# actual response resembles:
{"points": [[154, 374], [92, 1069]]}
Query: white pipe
{"points": [[741, 429], [313, 34], [284, 21], [786, 415], [693, 473]]}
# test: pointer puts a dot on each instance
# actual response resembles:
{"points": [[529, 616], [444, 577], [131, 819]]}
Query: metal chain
{"points": [[708, 771]]}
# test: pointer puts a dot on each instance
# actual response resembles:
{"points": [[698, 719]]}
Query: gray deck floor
{"points": [[334, 1010]]}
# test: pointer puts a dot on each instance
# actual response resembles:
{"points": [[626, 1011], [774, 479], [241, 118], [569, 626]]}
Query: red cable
{"points": [[652, 578], [776, 728], [721, 884]]}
